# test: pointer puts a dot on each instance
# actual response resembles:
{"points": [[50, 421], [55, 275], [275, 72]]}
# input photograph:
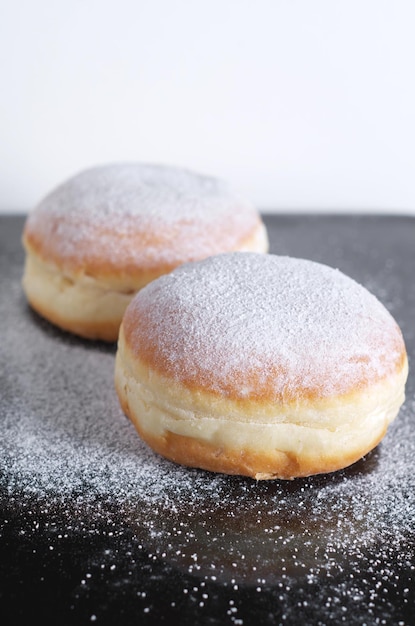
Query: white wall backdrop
{"points": [[301, 104]]}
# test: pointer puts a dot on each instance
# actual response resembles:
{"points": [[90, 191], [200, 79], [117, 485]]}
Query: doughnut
{"points": [[260, 365], [102, 235]]}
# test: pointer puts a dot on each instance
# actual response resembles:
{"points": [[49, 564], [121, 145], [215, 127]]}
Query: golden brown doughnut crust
{"points": [[260, 465], [162, 251], [295, 456]]}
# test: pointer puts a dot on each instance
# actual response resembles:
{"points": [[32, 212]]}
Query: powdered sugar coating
{"points": [[135, 214], [252, 325]]}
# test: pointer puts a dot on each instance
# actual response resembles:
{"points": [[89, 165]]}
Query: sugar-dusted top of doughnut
{"points": [[253, 325], [139, 215]]}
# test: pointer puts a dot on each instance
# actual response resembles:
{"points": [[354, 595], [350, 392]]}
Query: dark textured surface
{"points": [[336, 549]]}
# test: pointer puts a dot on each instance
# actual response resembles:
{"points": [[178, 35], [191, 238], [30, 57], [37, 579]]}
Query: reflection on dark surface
{"points": [[283, 555]]}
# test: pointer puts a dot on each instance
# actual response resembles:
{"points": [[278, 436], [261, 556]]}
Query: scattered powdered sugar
{"points": [[292, 325], [165, 540], [141, 213]]}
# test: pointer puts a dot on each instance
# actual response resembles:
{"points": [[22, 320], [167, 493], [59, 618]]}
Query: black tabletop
{"points": [[96, 528]]}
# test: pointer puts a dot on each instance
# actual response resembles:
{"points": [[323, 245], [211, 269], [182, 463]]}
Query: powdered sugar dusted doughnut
{"points": [[98, 238], [260, 365]]}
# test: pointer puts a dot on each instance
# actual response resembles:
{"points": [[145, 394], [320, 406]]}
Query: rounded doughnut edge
{"points": [[192, 428]]}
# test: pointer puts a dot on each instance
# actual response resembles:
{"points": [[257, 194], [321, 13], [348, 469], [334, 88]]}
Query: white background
{"points": [[301, 104]]}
